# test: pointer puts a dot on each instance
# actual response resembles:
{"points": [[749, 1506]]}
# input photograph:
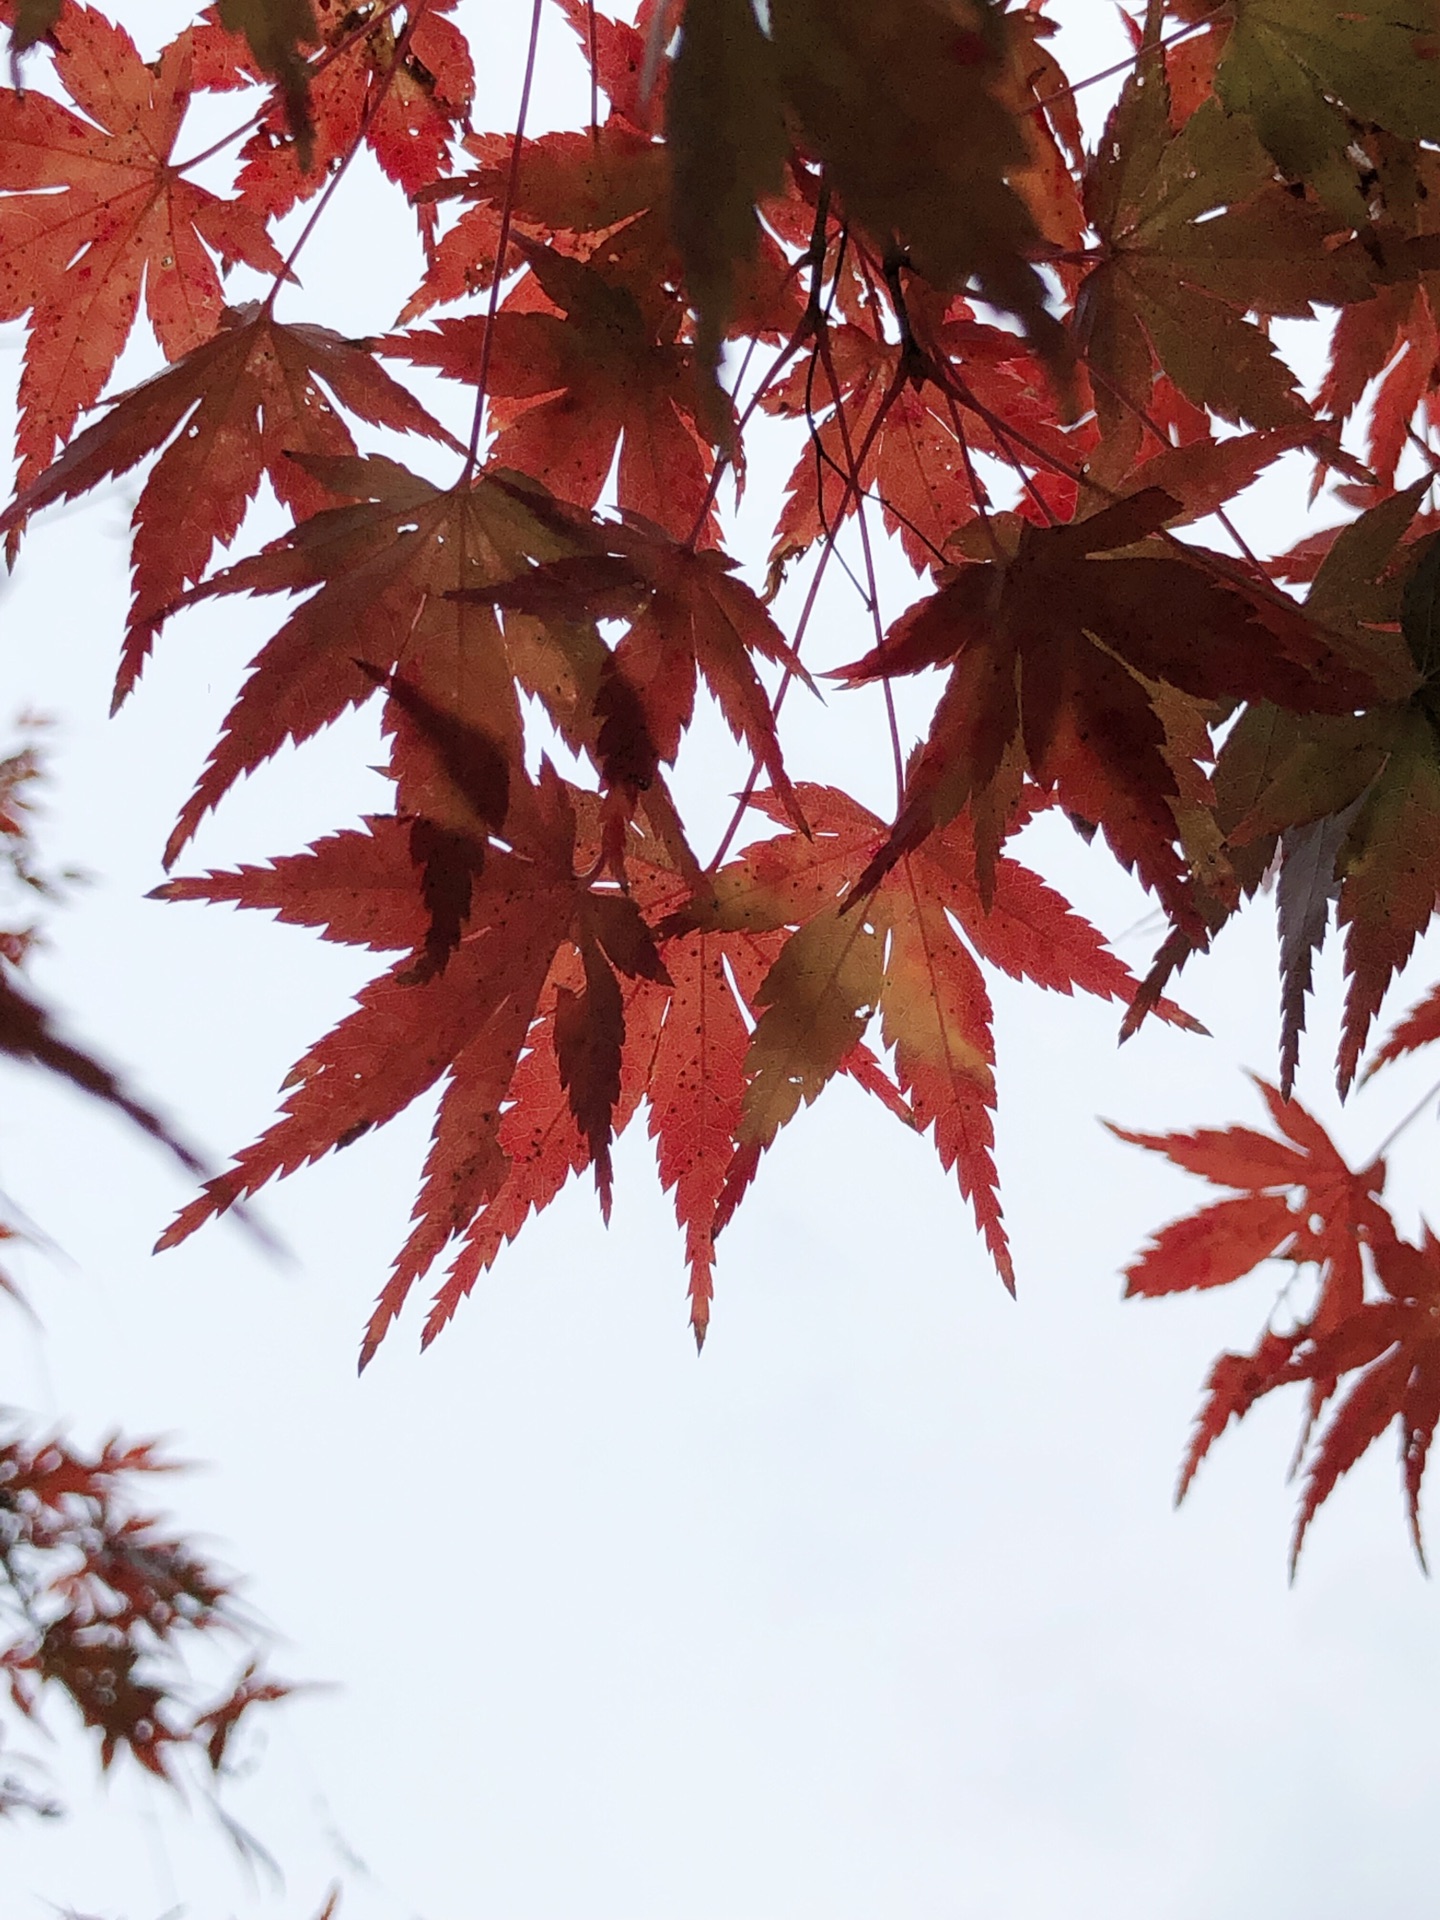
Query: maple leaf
{"points": [[725, 128], [549, 1035], [563, 185], [357, 887], [470, 1018], [905, 106], [689, 616], [1195, 234], [1391, 1348], [33, 21], [90, 209], [1301, 1202], [1389, 869], [914, 420], [1304, 72], [1396, 1347], [696, 1086], [388, 570], [1058, 653], [684, 1053], [1307, 888], [403, 86], [622, 56], [1298, 1199], [540, 1145], [912, 952], [726, 135], [1351, 797], [568, 384], [1391, 337], [232, 410], [503, 1149]]}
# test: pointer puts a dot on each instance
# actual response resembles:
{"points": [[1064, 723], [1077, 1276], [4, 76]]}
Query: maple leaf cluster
{"points": [[1374, 1323], [102, 1604], [1044, 362]]}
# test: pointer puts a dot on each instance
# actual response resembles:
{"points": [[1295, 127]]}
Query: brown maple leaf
{"points": [[913, 110], [1350, 799], [277, 31], [1195, 235], [1081, 659]]}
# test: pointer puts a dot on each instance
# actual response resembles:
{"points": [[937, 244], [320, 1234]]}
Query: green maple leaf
{"points": [[1302, 71]]}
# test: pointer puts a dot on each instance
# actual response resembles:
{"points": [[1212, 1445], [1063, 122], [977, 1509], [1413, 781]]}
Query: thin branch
{"points": [[507, 215], [1400, 1126], [873, 596], [1125, 65]]}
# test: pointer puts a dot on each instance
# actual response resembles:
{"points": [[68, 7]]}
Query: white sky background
{"points": [[881, 1606]]}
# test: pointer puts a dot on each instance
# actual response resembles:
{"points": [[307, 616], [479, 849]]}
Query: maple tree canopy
{"points": [[1045, 367]]}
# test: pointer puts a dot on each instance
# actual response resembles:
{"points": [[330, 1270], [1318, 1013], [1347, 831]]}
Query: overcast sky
{"points": [[881, 1606]]}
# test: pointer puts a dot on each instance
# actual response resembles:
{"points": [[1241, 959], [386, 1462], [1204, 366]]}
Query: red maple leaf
{"points": [[91, 209], [565, 186], [1297, 1199], [530, 912], [689, 617], [1375, 1321], [582, 365], [402, 82], [511, 1128], [385, 575], [233, 409], [916, 421]]}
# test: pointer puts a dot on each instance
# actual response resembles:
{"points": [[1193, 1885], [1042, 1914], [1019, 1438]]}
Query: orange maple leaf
{"points": [[910, 950]]}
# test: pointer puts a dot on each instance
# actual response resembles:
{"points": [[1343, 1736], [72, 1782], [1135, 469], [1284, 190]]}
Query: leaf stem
{"points": [[1400, 1125], [314, 69], [872, 597], [1124, 66], [397, 60], [502, 245]]}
